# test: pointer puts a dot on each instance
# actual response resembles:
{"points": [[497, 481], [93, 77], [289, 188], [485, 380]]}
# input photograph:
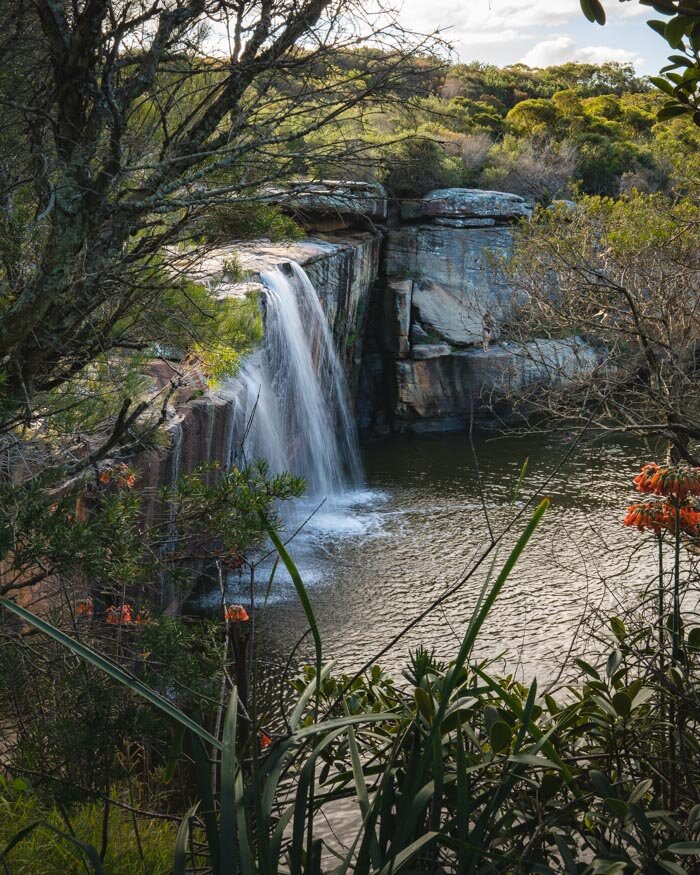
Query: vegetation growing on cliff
{"points": [[125, 142]]}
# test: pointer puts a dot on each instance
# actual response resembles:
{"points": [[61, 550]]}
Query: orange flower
{"points": [[265, 740], [116, 616], [142, 617], [236, 614], [84, 607], [646, 515], [678, 481], [105, 476]]}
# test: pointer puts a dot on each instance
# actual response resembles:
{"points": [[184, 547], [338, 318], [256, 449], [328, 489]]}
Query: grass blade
{"points": [[112, 669]]}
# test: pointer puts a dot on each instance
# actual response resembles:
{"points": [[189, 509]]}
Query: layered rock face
{"points": [[410, 342], [425, 369]]}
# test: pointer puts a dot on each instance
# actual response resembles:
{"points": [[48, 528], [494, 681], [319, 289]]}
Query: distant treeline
{"points": [[543, 133]]}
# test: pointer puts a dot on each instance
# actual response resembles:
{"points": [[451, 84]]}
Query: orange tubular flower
{"points": [[84, 608], [265, 740], [236, 614], [678, 481], [646, 515], [118, 616]]}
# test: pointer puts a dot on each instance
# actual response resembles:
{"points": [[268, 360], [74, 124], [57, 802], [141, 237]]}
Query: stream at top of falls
{"points": [[377, 549]]}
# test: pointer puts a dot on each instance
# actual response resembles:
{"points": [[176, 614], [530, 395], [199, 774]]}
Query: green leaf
{"points": [[618, 628], [301, 592], [593, 11], [694, 817], [694, 638], [658, 26], [613, 663], [675, 31], [112, 669], [640, 790], [229, 768], [528, 759], [500, 736], [622, 704], [587, 668], [673, 868], [182, 842], [424, 703], [684, 848], [663, 85], [399, 861], [87, 849], [600, 783], [672, 110], [642, 697], [550, 785], [617, 807]]}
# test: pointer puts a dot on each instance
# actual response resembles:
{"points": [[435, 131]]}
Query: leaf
{"points": [[663, 85], [528, 759], [618, 627], [182, 841], [229, 768], [424, 703], [672, 110], [600, 783], [675, 31], [550, 786], [587, 668], [593, 11], [552, 706], [622, 704], [694, 638], [399, 861], [617, 807], [87, 849], [500, 736], [673, 868], [112, 669], [658, 26], [694, 817], [642, 697], [301, 592], [684, 848], [641, 789], [613, 663]]}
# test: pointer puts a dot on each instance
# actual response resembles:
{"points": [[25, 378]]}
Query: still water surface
{"points": [[375, 559]]}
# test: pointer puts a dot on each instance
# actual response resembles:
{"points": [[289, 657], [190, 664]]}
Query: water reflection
{"points": [[379, 556]]}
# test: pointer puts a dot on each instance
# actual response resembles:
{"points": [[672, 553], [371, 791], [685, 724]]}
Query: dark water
{"points": [[381, 555]]}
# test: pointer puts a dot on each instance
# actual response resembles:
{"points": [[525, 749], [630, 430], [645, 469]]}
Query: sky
{"points": [[540, 32]]}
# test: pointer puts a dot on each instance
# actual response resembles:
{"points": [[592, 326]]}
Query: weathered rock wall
{"points": [[424, 366]]}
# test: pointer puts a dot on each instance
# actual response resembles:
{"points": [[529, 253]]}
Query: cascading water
{"points": [[297, 402]]}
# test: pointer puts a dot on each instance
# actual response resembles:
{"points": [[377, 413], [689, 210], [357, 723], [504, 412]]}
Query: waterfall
{"points": [[296, 397]]}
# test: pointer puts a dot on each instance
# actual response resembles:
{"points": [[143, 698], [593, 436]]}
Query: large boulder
{"points": [[473, 203], [440, 392]]}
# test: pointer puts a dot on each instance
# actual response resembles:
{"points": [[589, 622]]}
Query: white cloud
{"points": [[561, 49], [477, 21]]}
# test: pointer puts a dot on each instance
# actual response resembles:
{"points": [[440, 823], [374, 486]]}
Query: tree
{"points": [[623, 276], [680, 27], [124, 123]]}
